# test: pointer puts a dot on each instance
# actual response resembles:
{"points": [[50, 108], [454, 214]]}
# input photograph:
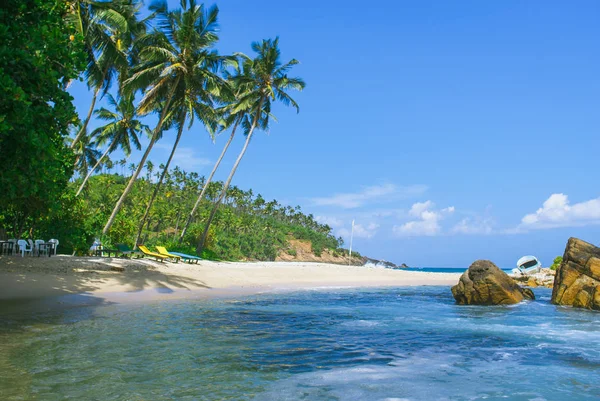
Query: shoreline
{"points": [[120, 280]]}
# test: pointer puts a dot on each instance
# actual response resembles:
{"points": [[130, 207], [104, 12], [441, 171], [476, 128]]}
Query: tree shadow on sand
{"points": [[30, 284]]}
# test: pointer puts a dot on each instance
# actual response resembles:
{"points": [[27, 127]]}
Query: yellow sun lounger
{"points": [[163, 251], [148, 252]]}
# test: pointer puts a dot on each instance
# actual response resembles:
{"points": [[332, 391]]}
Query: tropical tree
{"points": [[210, 177], [263, 80], [121, 131], [108, 29], [178, 73], [86, 154]]}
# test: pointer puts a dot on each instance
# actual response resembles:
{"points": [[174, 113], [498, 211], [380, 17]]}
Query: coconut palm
{"points": [[108, 29], [263, 80], [178, 73], [121, 131], [86, 153], [231, 119]]}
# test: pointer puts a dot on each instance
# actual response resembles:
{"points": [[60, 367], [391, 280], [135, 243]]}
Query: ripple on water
{"points": [[344, 344]]}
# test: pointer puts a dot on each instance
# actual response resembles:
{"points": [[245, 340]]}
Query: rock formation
{"points": [[577, 281], [545, 278], [485, 284]]}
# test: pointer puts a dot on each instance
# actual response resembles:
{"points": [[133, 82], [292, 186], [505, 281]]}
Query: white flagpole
{"points": [[351, 237]]}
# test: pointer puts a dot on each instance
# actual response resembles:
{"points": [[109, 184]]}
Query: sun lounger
{"points": [[148, 252], [127, 251], [101, 251], [187, 258], [163, 251]]}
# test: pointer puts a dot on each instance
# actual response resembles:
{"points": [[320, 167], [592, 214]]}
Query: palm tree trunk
{"points": [[129, 186], [158, 185], [208, 181], [87, 177], [231, 174], [87, 119]]}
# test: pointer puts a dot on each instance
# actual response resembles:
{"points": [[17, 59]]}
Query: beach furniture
{"points": [[163, 251], [24, 247], [14, 247], [127, 251], [54, 243], [101, 250], [41, 247], [7, 247], [187, 258], [148, 252]]}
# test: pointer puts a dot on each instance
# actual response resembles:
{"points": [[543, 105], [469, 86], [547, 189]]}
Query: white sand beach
{"points": [[32, 277]]}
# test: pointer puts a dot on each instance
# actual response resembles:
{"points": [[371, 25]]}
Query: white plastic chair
{"points": [[32, 246], [24, 247], [40, 246], [55, 242]]}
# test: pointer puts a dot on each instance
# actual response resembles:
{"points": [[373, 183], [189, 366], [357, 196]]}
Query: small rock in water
{"points": [[485, 284]]}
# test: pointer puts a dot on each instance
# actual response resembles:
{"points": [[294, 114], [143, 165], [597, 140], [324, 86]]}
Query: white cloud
{"points": [[184, 157], [332, 222], [472, 226], [557, 212], [372, 194], [360, 231], [427, 223]]}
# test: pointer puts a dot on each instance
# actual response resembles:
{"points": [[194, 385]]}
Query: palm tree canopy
{"points": [[178, 57], [108, 29], [122, 128], [86, 153], [259, 81]]}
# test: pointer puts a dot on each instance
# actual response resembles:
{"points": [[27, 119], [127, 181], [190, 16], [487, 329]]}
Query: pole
{"points": [[351, 237]]}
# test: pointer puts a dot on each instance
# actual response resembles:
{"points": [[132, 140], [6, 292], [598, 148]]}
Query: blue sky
{"points": [[450, 131]]}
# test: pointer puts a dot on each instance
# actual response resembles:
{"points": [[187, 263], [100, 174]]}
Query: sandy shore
{"points": [[32, 277]]}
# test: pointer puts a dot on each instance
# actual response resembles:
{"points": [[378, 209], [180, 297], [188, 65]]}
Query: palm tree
{"points": [[122, 163], [149, 170], [208, 181], [178, 73], [108, 29], [264, 79], [230, 119], [120, 132], [86, 154]]}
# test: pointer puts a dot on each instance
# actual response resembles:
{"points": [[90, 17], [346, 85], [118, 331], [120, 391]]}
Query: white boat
{"points": [[527, 265]]}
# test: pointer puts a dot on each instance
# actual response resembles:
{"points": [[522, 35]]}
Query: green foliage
{"points": [[38, 57], [246, 227], [68, 222], [557, 261]]}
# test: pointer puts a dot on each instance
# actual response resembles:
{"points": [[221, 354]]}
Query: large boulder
{"points": [[577, 281], [485, 284]]}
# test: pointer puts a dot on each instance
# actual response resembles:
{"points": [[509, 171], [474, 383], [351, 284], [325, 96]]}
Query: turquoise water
{"points": [[388, 344], [444, 269]]}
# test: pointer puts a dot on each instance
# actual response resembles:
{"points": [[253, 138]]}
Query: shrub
{"points": [[557, 261]]}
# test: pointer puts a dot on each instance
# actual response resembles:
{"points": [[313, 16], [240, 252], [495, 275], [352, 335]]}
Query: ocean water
{"points": [[445, 269], [339, 344]]}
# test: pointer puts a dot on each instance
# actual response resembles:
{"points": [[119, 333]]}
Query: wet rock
{"points": [[577, 281], [485, 284]]}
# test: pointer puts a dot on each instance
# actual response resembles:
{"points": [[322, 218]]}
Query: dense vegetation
{"points": [[245, 227], [53, 177], [39, 54]]}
